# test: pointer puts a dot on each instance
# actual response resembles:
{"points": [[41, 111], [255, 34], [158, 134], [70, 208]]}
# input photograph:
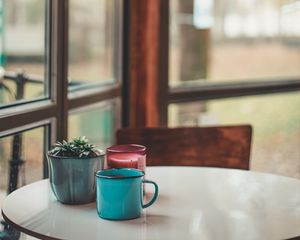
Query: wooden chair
{"points": [[220, 146]]}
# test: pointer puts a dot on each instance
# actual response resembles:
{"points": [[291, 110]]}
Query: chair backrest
{"points": [[220, 146]]}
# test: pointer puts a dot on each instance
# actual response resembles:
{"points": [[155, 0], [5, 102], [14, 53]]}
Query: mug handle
{"points": [[154, 196]]}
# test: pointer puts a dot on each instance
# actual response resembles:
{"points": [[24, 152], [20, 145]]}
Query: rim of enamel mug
{"points": [[98, 173]]}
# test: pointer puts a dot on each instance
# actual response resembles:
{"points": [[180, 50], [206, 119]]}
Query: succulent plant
{"points": [[78, 147]]}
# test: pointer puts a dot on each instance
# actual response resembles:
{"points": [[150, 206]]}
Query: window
{"points": [[60, 65], [233, 41], [224, 57], [23, 51], [97, 122], [91, 39]]}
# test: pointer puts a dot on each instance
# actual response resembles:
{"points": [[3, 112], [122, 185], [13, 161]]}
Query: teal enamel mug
{"points": [[119, 193]]}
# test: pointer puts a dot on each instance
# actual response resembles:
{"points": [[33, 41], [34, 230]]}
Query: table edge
{"points": [[25, 230]]}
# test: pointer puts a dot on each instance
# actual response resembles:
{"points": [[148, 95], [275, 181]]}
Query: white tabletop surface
{"points": [[193, 203]]}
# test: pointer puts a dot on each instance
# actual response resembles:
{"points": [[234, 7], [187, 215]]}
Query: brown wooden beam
{"points": [[143, 67]]}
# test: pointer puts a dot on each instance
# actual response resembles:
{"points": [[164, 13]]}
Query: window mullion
{"points": [[60, 65]]}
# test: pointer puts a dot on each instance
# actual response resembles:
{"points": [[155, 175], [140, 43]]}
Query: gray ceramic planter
{"points": [[73, 179]]}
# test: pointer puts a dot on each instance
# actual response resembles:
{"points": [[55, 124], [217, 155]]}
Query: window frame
{"points": [[54, 110]]}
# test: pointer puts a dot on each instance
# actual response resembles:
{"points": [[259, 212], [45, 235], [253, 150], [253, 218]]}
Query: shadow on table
{"points": [[295, 238]]}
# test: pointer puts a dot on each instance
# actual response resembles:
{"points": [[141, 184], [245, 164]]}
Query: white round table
{"points": [[193, 203]]}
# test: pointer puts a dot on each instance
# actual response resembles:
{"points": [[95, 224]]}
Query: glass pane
{"points": [[90, 42], [22, 50], [275, 120], [233, 40], [98, 124], [21, 163]]}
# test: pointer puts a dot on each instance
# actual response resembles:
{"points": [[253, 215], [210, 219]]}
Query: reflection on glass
{"points": [[275, 120], [22, 50], [21, 163], [90, 41], [233, 40], [97, 124]]}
